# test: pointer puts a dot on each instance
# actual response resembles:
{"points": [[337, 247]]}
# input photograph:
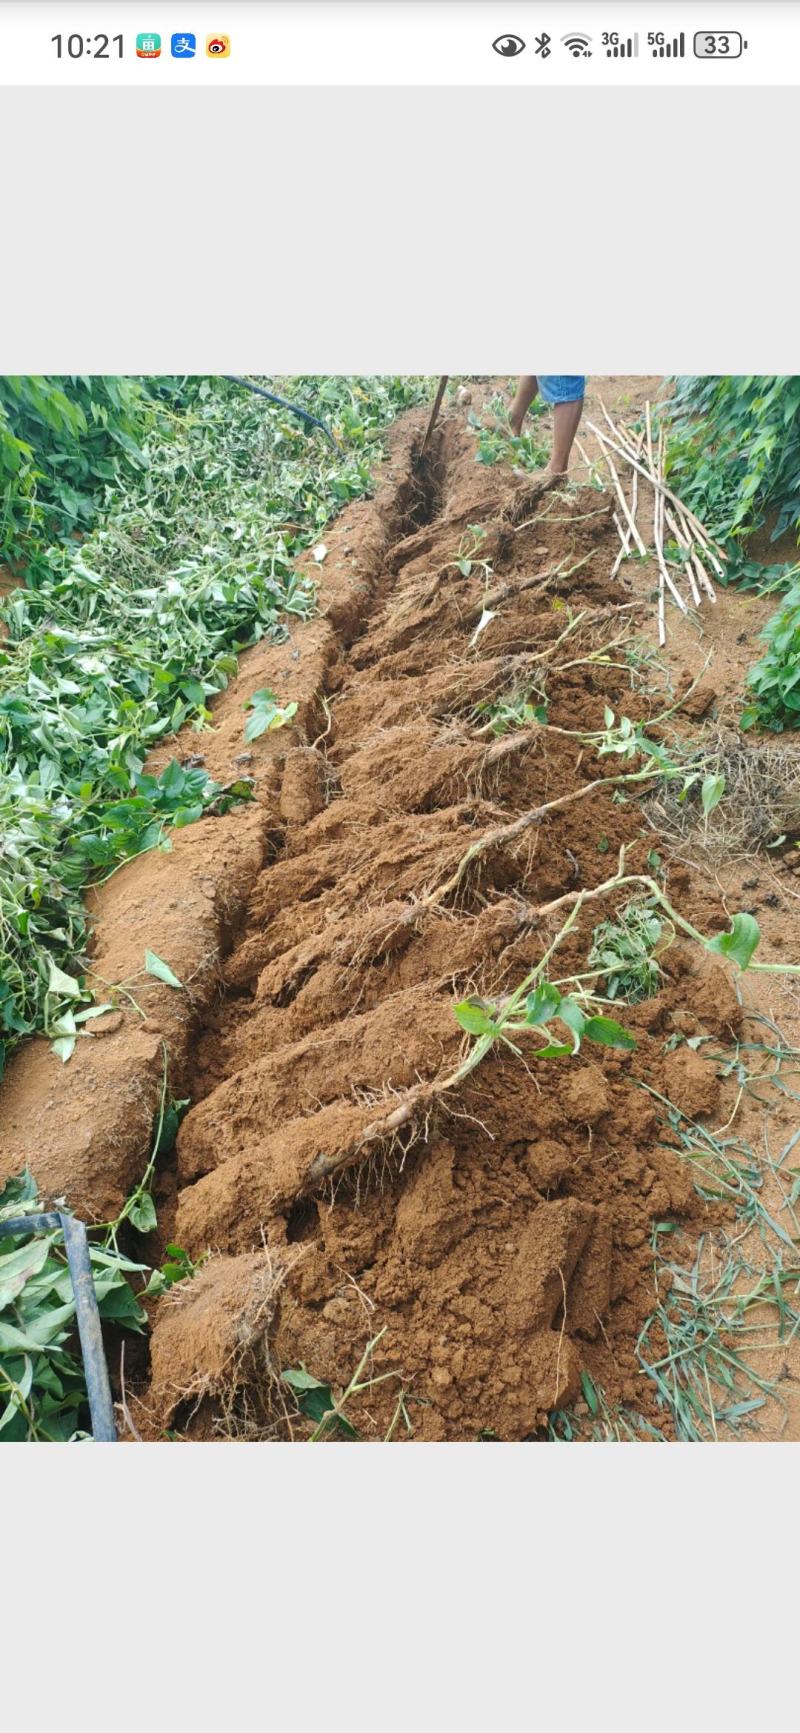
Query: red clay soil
{"points": [[500, 1234], [497, 1235]]}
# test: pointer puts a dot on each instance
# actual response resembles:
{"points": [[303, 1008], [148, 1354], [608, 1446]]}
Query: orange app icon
{"points": [[218, 47]]}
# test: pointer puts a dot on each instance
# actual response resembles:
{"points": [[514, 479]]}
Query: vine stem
{"points": [[649, 884], [354, 1388]]}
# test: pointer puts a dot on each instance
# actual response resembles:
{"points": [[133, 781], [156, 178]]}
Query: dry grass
{"points": [[761, 802]]}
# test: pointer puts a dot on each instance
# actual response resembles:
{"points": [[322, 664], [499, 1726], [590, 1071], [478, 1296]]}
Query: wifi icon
{"points": [[579, 46]]}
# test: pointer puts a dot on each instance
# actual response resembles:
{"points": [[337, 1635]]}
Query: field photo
{"points": [[399, 909]]}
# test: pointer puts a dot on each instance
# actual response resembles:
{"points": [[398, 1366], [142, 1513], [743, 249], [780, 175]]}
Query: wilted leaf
{"points": [[17, 1267], [156, 966], [711, 793], [63, 986], [64, 1047]]}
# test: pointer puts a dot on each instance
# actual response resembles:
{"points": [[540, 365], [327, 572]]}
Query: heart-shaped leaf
{"points": [[142, 1214], [740, 943]]}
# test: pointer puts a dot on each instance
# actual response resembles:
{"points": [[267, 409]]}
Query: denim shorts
{"points": [[562, 387]]}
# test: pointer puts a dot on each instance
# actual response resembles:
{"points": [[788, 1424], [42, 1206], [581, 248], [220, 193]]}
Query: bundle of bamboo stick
{"points": [[644, 457]]}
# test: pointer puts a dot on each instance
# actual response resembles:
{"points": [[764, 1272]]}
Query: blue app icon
{"points": [[184, 45]]}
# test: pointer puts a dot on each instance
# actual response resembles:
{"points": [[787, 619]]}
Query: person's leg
{"points": [[566, 421], [527, 387]]}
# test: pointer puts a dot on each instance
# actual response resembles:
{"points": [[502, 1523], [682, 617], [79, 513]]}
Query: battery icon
{"points": [[718, 44]]}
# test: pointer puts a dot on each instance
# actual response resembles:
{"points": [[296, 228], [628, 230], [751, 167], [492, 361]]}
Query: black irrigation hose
{"points": [[283, 402], [76, 1245]]}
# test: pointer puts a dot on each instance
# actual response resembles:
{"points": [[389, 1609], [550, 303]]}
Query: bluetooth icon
{"points": [[542, 45]]}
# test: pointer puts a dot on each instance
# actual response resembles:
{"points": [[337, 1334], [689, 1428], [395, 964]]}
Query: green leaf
{"points": [[711, 793], [120, 1306], [171, 1273], [142, 1214], [474, 1017], [267, 715], [157, 1284], [12, 1338], [740, 943], [590, 1394], [554, 1050], [316, 1400], [156, 966], [23, 1381], [542, 1004], [608, 1033], [569, 1012], [169, 1127], [299, 1379]]}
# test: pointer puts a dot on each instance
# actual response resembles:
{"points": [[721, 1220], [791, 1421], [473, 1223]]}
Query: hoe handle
{"points": [[437, 404]]}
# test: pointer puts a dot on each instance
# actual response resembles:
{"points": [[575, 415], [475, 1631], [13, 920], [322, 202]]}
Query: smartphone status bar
{"points": [[397, 42]]}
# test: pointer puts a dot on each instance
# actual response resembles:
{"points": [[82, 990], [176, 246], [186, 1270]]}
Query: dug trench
{"points": [[491, 1240]]}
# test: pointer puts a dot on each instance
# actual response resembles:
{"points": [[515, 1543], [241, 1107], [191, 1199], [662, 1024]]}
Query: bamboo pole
{"points": [[702, 574], [665, 579], [701, 533], [688, 547], [625, 541], [619, 490]]}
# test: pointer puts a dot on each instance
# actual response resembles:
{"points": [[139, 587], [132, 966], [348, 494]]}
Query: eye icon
{"points": [[508, 46]]}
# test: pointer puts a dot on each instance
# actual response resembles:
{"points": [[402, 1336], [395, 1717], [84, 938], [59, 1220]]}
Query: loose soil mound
{"points": [[499, 1235]]}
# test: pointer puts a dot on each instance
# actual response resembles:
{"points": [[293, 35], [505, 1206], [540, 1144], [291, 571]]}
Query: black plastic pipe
{"points": [[87, 1315], [283, 402]]}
